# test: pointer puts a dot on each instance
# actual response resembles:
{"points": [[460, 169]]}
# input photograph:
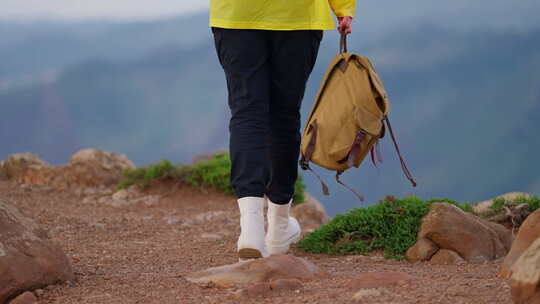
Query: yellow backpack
{"points": [[348, 118]]}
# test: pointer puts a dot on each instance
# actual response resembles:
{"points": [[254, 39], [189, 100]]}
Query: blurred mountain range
{"points": [[466, 100]]}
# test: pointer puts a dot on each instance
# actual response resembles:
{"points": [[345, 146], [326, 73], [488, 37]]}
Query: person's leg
{"points": [[244, 57], [292, 59]]}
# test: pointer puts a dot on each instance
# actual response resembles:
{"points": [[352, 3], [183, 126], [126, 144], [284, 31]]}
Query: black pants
{"points": [[266, 75]]}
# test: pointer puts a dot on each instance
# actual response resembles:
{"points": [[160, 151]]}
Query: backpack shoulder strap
{"points": [[402, 161]]}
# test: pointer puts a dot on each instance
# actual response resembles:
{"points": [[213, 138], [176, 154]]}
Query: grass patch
{"points": [[142, 176], [391, 226], [213, 173], [500, 203]]}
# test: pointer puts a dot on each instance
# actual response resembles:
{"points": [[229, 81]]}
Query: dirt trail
{"points": [[140, 254]]}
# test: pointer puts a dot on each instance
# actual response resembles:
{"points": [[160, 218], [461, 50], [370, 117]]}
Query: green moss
{"points": [[213, 173], [391, 226]]}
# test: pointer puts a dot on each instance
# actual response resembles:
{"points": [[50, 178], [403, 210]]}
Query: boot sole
{"points": [[249, 253]]}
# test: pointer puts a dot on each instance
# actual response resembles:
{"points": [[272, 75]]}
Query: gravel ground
{"points": [[140, 254]]}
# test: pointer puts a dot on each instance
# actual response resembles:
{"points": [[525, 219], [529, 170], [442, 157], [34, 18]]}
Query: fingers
{"points": [[345, 25]]}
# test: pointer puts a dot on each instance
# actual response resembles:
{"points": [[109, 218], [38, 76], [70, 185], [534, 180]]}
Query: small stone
{"points": [[89, 200], [286, 284], [366, 293], [258, 289], [151, 200], [100, 226], [446, 257], [121, 195], [211, 236], [378, 279], [25, 298], [208, 216], [171, 219], [90, 191]]}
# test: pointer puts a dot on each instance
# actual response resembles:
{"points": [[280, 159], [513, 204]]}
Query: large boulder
{"points": [[527, 234], [526, 276], [472, 238], [3, 172], [422, 250], [269, 269], [28, 258], [17, 164], [86, 168], [310, 214], [101, 159]]}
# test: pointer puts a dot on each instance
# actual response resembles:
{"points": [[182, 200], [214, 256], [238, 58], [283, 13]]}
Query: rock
{"points": [[86, 169], [378, 279], [310, 214], [446, 257], [511, 216], [172, 219], [212, 236], [25, 298], [16, 164], [363, 294], [472, 237], [256, 290], [264, 288], [505, 235], [3, 172], [484, 206], [423, 250], [102, 159], [259, 270], [121, 195], [28, 258], [527, 234], [209, 216], [286, 284], [525, 282]]}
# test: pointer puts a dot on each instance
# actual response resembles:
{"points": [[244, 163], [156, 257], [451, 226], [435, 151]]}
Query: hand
{"points": [[345, 25]]}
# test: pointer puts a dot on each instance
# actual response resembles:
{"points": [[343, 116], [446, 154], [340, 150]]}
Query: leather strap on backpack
{"points": [[338, 174], [304, 161], [343, 44], [402, 161]]}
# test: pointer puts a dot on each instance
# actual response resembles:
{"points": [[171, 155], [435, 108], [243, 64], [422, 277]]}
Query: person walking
{"points": [[267, 50]]}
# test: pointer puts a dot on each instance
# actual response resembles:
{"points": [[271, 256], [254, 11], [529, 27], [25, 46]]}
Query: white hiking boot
{"points": [[251, 244], [283, 230]]}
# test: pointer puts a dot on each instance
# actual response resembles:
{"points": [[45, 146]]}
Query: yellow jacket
{"points": [[279, 14]]}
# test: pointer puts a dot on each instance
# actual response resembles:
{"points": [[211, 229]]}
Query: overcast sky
{"points": [[381, 13], [84, 9]]}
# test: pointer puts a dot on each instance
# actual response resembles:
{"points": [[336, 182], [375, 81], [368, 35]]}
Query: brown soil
{"points": [[140, 254]]}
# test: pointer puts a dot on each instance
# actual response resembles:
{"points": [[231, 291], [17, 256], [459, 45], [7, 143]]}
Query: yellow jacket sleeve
{"points": [[343, 8]]}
